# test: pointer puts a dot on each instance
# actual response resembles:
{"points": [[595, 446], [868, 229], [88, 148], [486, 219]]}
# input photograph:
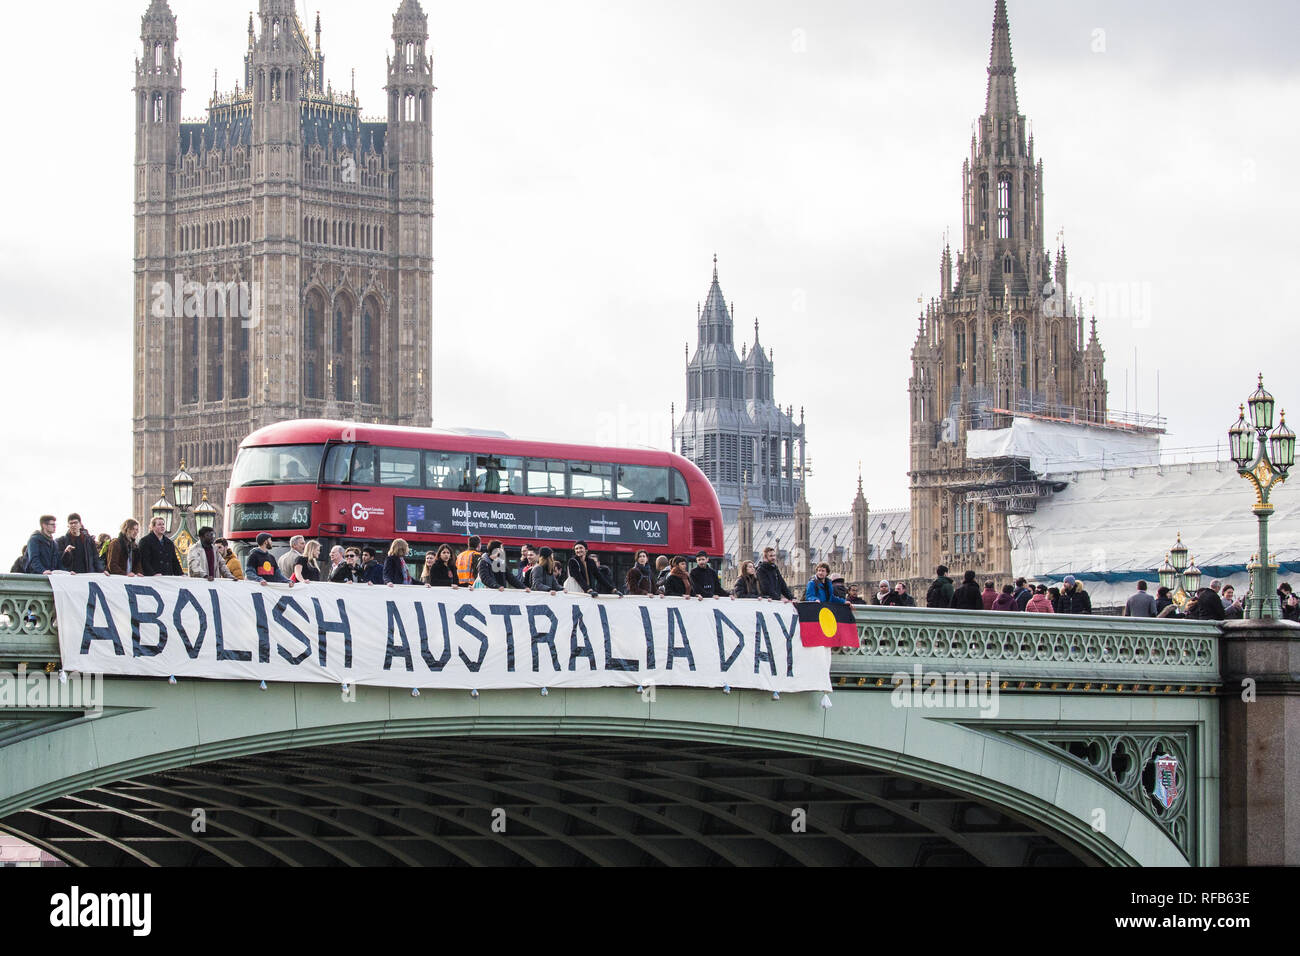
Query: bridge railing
{"points": [[1056, 652]]}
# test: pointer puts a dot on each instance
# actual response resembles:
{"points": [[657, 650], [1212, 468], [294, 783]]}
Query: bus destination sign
{"points": [[270, 516], [534, 522]]}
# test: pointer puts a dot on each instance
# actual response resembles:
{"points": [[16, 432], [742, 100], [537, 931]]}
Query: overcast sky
{"points": [[590, 158]]}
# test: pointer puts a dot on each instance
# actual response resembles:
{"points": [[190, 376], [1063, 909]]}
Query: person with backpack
{"points": [[940, 592], [967, 597], [467, 562], [1023, 593]]}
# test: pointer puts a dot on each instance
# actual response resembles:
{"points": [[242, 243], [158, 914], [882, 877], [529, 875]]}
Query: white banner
{"points": [[426, 637]]}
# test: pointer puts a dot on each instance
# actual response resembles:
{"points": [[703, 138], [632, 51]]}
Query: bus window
{"points": [[681, 493], [590, 481], [338, 462], [363, 467], [399, 467], [642, 484], [498, 476], [277, 465], [546, 478], [447, 471]]}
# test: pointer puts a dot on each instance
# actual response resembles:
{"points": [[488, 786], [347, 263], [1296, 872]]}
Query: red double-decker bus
{"points": [[345, 483]]}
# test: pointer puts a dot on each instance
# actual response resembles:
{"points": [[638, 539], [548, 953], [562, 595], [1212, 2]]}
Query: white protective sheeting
{"points": [[1111, 527], [1056, 446]]}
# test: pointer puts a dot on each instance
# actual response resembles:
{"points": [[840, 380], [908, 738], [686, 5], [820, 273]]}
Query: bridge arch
{"points": [[295, 775]]}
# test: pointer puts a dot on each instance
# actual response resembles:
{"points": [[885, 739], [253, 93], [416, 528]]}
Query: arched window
{"points": [[1004, 207], [343, 348], [313, 346], [984, 206], [158, 54], [1020, 348], [959, 335]]}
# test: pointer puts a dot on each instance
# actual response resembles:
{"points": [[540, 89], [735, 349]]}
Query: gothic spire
{"points": [[1001, 100]]}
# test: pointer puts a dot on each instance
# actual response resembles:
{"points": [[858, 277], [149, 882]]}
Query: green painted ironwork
{"points": [[1039, 758]]}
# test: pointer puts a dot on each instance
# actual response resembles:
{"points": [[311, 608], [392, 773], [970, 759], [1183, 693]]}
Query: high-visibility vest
{"points": [[467, 566]]}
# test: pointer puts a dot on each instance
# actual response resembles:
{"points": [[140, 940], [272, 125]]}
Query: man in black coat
{"points": [[704, 580], [77, 549], [158, 553], [771, 583], [1075, 600], [967, 596]]}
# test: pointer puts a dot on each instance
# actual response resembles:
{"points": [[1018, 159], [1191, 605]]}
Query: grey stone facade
{"points": [[283, 248], [1002, 339], [732, 428]]}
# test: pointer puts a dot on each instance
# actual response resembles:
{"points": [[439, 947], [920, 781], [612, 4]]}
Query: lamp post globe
{"points": [[205, 516], [1178, 555], [162, 508], [1241, 440], [183, 488], [1281, 447], [1168, 576], [1261, 406]]}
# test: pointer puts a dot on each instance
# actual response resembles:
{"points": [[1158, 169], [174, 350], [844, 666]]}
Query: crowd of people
{"points": [[543, 569], [1217, 602], [475, 566]]}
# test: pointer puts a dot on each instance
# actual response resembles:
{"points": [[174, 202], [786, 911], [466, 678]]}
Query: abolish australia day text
{"points": [[427, 638]]}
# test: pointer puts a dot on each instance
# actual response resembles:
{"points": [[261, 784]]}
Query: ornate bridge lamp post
{"points": [[183, 493], [1180, 574], [1265, 466]]}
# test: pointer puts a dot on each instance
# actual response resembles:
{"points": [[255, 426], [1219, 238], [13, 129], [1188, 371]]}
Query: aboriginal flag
{"points": [[827, 625]]}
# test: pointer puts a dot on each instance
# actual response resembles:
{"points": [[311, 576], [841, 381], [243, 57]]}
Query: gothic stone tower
{"points": [[283, 248], [733, 429], [1003, 337]]}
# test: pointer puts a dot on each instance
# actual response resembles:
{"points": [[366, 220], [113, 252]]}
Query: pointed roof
{"points": [[715, 305], [1001, 99]]}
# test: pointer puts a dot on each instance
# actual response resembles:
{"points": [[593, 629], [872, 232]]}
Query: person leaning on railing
{"points": [[747, 584], [232, 560], [203, 560], [123, 552], [820, 587], [771, 583], [678, 582]]}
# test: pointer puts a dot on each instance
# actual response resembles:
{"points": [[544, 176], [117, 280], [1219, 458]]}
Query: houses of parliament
{"points": [[1002, 341], [283, 247]]}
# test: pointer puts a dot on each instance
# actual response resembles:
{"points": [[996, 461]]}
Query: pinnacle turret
{"points": [[1001, 98]]}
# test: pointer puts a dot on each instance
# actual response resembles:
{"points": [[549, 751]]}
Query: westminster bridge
{"points": [[950, 738]]}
